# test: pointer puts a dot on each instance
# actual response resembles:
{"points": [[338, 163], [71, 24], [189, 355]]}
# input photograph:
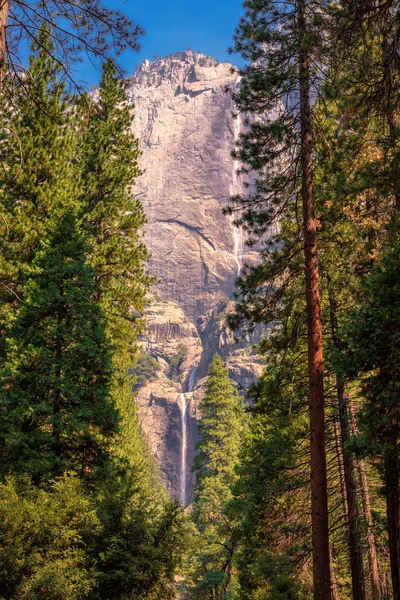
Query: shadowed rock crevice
{"points": [[190, 228]]}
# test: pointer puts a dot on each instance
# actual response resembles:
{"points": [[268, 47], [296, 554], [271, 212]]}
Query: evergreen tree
{"points": [[57, 414], [114, 219], [66, 362], [269, 497], [38, 149], [373, 331], [284, 44], [220, 431]]}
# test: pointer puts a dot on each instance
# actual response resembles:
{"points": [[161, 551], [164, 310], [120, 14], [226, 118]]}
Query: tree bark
{"points": [[392, 485], [334, 590], [319, 488], [341, 473], [376, 586], [4, 6], [352, 512], [353, 516]]}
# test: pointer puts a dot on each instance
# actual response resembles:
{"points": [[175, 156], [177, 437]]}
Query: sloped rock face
{"points": [[184, 120]]}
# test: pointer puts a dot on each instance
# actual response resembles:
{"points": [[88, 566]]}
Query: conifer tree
{"points": [[114, 221], [220, 431], [112, 216], [373, 331], [57, 414], [284, 43], [39, 172]]}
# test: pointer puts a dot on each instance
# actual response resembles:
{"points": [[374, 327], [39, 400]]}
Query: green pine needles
{"points": [[57, 414], [72, 271], [220, 431]]}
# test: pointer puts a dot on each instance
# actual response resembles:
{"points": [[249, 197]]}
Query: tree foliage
{"points": [[220, 430]]}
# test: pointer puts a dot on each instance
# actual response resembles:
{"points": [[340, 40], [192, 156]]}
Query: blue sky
{"points": [[172, 25]]}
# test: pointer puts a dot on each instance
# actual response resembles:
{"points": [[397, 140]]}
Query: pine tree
{"points": [[373, 351], [284, 44], [220, 430], [354, 207], [114, 222], [112, 216], [268, 503], [38, 155], [57, 414], [66, 361]]}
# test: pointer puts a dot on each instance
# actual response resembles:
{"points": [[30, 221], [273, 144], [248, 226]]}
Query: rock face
{"points": [[184, 120]]}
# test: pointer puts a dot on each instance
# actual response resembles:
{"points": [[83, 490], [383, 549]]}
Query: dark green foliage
{"points": [[373, 351], [176, 361], [145, 370], [272, 483], [66, 397], [220, 430], [112, 217], [57, 413], [63, 543], [43, 540], [137, 557], [37, 146]]}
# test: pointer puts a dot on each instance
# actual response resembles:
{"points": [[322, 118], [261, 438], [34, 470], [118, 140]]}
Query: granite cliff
{"points": [[184, 118]]}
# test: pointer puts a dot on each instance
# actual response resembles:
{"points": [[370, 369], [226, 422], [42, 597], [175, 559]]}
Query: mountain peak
{"points": [[181, 67]]}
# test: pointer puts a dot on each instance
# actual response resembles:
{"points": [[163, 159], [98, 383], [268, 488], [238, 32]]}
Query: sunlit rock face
{"points": [[184, 118]]}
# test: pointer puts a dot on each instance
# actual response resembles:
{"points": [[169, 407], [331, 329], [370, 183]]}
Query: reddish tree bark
{"points": [[392, 485], [376, 585], [319, 491], [353, 517], [4, 6]]}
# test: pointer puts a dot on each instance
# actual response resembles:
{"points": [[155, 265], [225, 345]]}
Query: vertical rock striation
{"points": [[186, 126]]}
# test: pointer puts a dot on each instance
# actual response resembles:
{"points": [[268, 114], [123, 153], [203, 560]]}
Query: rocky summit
{"points": [[184, 119]]}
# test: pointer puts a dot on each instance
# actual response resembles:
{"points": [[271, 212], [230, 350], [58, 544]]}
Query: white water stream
{"points": [[235, 187], [191, 381], [183, 450]]}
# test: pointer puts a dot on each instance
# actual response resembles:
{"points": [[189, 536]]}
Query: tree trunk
{"points": [[4, 6], [376, 586], [56, 433], [341, 473], [353, 517], [319, 488], [334, 590], [352, 513], [392, 485]]}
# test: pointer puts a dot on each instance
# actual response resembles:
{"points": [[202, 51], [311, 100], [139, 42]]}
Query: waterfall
{"points": [[191, 379], [183, 450], [238, 247], [235, 188]]}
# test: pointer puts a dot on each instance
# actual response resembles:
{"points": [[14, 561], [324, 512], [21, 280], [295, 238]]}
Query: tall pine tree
{"points": [[57, 413], [283, 43], [220, 431], [38, 149], [114, 221]]}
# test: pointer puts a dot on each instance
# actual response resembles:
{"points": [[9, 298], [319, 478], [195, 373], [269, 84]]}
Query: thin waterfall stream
{"points": [[184, 436], [235, 188], [183, 450]]}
